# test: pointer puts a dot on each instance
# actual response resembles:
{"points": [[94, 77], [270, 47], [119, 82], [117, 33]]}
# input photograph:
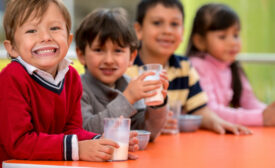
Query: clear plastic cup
{"points": [[175, 107], [157, 68], [118, 130]]}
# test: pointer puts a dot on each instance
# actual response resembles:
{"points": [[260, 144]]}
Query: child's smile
{"points": [[108, 70], [43, 42], [107, 62], [45, 50], [161, 30]]}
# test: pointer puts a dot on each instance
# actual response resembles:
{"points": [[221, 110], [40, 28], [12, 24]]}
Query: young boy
{"points": [[40, 96], [106, 46], [159, 27]]}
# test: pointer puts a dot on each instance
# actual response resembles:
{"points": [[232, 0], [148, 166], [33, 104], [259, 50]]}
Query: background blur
{"points": [[258, 35]]}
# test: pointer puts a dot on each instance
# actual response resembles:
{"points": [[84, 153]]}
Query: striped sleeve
{"points": [[71, 147], [196, 98]]}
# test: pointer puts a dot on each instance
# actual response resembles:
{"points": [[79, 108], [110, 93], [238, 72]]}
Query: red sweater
{"points": [[35, 116]]}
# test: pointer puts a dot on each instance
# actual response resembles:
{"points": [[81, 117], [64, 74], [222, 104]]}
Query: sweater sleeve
{"points": [[242, 115], [17, 134], [74, 123], [248, 99], [93, 118], [155, 119]]}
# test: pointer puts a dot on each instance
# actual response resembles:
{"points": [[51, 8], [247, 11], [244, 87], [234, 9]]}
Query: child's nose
{"points": [[167, 29], [109, 58], [45, 36]]}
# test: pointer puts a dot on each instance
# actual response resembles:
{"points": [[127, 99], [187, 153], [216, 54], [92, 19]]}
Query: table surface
{"points": [[198, 149]]}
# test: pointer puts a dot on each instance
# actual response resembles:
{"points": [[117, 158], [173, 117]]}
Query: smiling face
{"points": [[161, 30], [43, 42], [106, 63], [225, 44]]}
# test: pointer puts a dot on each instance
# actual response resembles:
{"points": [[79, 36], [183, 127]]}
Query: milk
{"points": [[121, 153], [158, 98]]}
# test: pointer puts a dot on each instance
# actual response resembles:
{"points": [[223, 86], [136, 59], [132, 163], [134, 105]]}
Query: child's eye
{"points": [[97, 49], [31, 31], [222, 37], [236, 35], [118, 50], [156, 23], [55, 28], [174, 24]]}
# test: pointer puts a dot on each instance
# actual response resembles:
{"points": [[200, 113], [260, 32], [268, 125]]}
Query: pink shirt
{"points": [[215, 79]]}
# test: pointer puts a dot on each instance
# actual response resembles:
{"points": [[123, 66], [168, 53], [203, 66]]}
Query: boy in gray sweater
{"points": [[106, 45]]}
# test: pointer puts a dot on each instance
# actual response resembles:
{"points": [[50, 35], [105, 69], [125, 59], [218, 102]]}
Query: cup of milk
{"points": [[157, 69], [118, 130], [175, 107]]}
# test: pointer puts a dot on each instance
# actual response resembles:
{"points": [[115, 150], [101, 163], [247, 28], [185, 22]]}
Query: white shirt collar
{"points": [[63, 68]]}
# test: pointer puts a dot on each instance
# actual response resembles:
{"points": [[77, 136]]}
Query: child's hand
{"points": [[165, 82], [222, 126], [138, 88], [133, 145], [269, 115], [96, 150], [211, 121], [171, 124]]}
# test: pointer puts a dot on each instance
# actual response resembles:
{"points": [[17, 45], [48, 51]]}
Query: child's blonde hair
{"points": [[19, 11]]}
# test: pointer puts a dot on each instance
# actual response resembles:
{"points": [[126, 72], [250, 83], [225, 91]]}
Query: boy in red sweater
{"points": [[40, 112]]}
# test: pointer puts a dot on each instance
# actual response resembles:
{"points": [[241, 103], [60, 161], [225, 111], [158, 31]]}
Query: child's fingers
{"points": [[164, 93], [232, 128], [163, 72], [151, 88], [244, 131], [219, 129], [133, 134], [102, 156], [172, 121], [149, 94], [132, 156], [170, 113], [163, 76], [108, 142], [133, 141], [145, 74], [151, 82], [133, 148], [107, 149], [165, 83]]}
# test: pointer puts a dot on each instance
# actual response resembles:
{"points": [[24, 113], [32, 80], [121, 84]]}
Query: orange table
{"points": [[190, 150]]}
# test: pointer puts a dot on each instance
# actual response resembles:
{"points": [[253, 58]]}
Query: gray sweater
{"points": [[100, 101]]}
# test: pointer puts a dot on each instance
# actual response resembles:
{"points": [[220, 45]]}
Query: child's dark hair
{"points": [[144, 5], [212, 17], [106, 24]]}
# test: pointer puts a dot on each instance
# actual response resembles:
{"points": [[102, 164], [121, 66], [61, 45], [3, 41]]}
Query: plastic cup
{"points": [[118, 130], [157, 68], [175, 107]]}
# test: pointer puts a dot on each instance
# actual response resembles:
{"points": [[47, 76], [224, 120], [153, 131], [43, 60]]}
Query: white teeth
{"points": [[40, 47], [45, 51]]}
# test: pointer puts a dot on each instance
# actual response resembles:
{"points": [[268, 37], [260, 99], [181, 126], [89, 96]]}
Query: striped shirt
{"points": [[183, 82]]}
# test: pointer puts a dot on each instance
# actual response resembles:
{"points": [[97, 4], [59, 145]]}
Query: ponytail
{"points": [[236, 83]]}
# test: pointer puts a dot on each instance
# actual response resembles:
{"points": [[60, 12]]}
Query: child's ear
{"points": [[70, 39], [138, 30], [80, 56], [199, 42], [133, 57], [10, 49]]}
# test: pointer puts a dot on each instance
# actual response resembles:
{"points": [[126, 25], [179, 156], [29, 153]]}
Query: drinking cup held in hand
{"points": [[175, 107], [118, 130], [157, 68]]}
